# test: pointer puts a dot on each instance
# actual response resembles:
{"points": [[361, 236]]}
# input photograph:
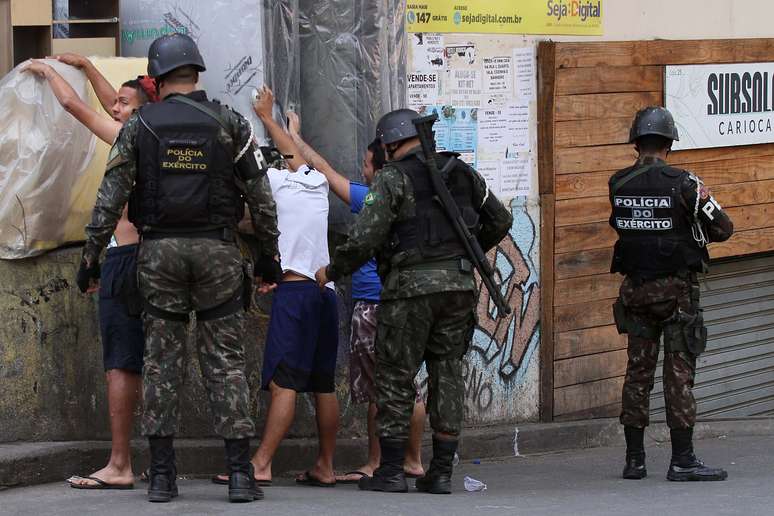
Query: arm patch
{"points": [[115, 158]]}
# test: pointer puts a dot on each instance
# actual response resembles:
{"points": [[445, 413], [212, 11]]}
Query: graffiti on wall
{"points": [[502, 348]]}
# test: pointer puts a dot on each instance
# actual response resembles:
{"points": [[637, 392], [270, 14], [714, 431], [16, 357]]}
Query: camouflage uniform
{"points": [[650, 305], [424, 315], [667, 304], [181, 275]]}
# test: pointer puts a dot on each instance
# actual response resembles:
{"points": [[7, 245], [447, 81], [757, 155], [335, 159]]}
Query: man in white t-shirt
{"points": [[302, 340]]}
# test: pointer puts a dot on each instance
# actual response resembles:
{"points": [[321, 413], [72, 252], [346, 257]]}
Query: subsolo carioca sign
{"points": [[721, 105]]}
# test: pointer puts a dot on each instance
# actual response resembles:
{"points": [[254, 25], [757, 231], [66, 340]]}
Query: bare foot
{"points": [[357, 474], [413, 470], [260, 475], [318, 474], [109, 474]]}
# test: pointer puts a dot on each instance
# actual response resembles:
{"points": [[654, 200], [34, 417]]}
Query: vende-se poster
{"points": [[721, 105]]}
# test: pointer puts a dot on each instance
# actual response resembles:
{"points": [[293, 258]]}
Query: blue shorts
{"points": [[303, 338], [123, 341]]}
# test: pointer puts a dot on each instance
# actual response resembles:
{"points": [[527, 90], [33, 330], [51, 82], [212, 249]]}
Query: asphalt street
{"points": [[582, 482]]}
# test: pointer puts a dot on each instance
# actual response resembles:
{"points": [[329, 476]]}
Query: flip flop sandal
{"points": [[99, 484], [352, 480], [309, 480], [217, 479], [414, 475]]}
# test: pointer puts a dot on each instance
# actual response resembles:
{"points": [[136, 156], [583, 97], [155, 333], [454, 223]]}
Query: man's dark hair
{"points": [[379, 159], [135, 85], [651, 143]]}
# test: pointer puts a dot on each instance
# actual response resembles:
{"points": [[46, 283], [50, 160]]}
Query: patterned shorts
{"points": [[362, 354]]}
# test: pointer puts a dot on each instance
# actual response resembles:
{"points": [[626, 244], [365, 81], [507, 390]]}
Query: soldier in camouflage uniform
{"points": [[186, 166], [664, 218], [428, 297]]}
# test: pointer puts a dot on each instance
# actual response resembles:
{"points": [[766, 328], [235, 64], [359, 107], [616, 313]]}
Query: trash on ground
{"points": [[473, 485]]}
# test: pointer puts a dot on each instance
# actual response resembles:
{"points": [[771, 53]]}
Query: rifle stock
{"points": [[424, 126]]}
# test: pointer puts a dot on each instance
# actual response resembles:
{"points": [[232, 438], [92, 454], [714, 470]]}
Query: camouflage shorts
{"points": [[362, 354]]}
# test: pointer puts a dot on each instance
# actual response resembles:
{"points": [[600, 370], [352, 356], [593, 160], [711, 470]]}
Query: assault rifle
{"points": [[424, 126]]}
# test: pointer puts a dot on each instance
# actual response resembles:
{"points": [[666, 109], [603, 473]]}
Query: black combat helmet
{"points": [[396, 126], [653, 120], [173, 51]]}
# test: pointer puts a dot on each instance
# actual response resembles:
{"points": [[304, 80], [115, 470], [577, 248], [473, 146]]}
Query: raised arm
{"points": [[263, 108], [339, 184], [104, 90], [104, 128]]}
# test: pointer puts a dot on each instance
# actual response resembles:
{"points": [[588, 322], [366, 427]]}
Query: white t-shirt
{"points": [[302, 217]]}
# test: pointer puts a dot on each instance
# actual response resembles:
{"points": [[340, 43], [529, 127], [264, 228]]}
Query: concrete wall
{"points": [[51, 371]]}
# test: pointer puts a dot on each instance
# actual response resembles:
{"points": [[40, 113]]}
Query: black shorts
{"points": [[123, 341], [303, 338]]}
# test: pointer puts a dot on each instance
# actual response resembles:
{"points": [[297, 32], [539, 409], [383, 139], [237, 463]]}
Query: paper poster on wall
{"points": [[464, 130], [515, 177], [490, 170], [524, 71], [421, 89], [462, 55], [498, 79], [504, 131], [506, 16], [720, 105], [456, 130], [428, 51], [463, 87], [441, 127]]}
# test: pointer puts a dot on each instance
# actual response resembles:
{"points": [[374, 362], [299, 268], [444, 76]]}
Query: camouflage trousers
{"points": [[183, 275], [649, 306], [435, 329]]}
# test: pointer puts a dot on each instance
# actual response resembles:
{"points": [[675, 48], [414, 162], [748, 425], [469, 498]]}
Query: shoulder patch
{"points": [[115, 158], [369, 199]]}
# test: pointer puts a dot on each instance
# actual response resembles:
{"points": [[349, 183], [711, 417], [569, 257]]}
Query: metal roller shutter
{"points": [[735, 375]]}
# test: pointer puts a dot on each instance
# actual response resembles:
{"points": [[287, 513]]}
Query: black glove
{"points": [[268, 269], [85, 274]]}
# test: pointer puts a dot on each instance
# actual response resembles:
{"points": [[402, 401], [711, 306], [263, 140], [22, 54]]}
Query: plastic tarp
{"points": [[353, 55], [50, 165], [43, 151], [229, 34]]}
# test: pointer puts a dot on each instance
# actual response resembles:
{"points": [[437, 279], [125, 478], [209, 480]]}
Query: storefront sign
{"points": [[721, 105], [579, 17]]}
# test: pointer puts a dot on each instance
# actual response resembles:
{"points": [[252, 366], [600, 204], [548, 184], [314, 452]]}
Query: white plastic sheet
{"points": [[229, 35], [43, 151]]}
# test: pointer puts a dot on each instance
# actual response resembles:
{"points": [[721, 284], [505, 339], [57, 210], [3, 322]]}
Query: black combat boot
{"points": [[241, 480], [162, 484], [635, 453], [437, 479], [389, 477], [685, 466]]}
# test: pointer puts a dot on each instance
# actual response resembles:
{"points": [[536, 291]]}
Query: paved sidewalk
{"points": [[30, 463], [581, 482]]}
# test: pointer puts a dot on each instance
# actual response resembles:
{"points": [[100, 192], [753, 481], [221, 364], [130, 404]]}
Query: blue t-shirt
{"points": [[365, 281]]}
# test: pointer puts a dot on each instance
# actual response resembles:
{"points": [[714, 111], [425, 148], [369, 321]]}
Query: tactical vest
{"points": [[430, 233], [653, 224], [185, 173]]}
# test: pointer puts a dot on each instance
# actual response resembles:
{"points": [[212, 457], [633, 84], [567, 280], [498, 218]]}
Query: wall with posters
{"points": [[483, 90], [455, 67]]}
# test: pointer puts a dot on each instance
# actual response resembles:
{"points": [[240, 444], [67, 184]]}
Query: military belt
{"points": [[224, 234], [456, 264], [231, 306]]}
